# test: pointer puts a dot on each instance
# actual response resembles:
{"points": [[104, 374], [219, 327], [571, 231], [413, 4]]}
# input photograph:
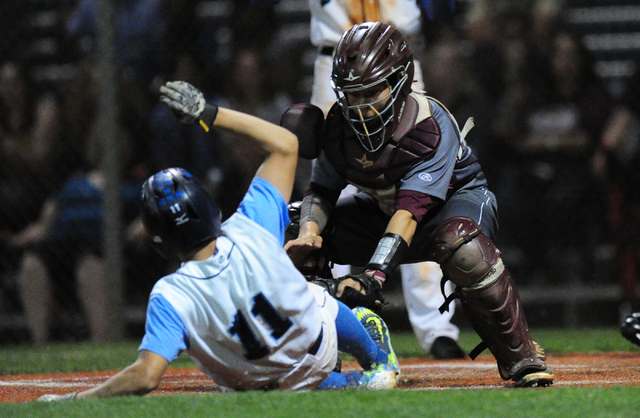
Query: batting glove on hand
{"points": [[369, 296], [185, 102], [58, 398]]}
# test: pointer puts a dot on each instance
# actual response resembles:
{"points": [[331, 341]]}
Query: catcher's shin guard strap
{"points": [[208, 116], [477, 350], [447, 299], [388, 254]]}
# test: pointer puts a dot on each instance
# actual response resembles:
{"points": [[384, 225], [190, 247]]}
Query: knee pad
{"points": [[464, 253]]}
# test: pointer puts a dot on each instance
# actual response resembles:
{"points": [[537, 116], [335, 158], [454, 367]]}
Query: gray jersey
{"points": [[451, 167]]}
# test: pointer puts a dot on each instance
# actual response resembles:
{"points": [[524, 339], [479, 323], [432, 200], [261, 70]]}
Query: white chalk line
{"points": [[76, 382]]}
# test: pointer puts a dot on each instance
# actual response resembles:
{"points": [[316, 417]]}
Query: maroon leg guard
{"points": [[496, 314], [488, 294]]}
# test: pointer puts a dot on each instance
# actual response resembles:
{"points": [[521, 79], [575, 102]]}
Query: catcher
{"points": [[422, 197]]}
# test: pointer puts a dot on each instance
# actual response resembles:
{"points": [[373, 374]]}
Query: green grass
{"points": [[562, 402], [553, 402]]}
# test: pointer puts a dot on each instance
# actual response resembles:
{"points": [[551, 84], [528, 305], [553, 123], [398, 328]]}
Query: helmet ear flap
{"points": [[152, 220]]}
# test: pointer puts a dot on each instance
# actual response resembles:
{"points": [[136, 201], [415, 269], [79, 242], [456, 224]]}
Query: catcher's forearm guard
{"points": [[388, 254]]}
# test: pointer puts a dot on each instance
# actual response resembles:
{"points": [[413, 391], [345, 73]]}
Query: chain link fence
{"points": [[81, 129]]}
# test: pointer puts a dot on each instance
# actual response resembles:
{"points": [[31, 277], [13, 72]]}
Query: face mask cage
{"points": [[370, 120]]}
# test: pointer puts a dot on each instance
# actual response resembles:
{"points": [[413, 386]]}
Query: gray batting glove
{"points": [[183, 100], [58, 398]]}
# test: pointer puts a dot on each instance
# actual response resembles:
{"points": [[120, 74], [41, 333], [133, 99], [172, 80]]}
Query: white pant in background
{"points": [[423, 298]]}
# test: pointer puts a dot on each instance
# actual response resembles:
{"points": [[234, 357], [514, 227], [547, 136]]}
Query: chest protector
{"points": [[411, 144]]}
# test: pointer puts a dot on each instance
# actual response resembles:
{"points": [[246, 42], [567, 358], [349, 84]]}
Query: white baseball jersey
{"points": [[246, 315], [330, 19]]}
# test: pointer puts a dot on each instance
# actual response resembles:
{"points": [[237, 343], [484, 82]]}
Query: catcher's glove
{"points": [[630, 328], [370, 294], [328, 283]]}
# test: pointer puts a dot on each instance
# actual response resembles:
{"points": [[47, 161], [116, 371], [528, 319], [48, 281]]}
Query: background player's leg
{"points": [[37, 297], [340, 270], [92, 288], [423, 298], [322, 95]]}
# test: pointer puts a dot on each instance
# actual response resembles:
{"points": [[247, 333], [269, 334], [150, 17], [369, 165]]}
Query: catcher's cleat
{"points": [[630, 328], [540, 353], [380, 376], [532, 378]]}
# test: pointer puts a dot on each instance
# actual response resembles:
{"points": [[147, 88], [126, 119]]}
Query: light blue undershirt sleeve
{"points": [[264, 205], [164, 331]]}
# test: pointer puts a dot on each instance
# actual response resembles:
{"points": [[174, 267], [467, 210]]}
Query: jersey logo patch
{"points": [[425, 177], [365, 163]]}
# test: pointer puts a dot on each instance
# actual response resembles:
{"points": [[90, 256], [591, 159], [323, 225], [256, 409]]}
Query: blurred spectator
{"points": [[509, 42], [547, 190], [248, 90], [13, 15], [616, 163], [32, 150], [61, 275], [173, 144], [447, 77], [252, 26], [141, 35]]}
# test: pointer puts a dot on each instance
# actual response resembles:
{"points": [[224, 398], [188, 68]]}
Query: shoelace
{"points": [[373, 330]]}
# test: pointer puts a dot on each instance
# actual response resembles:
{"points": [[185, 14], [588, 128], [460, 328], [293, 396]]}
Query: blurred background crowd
{"points": [[553, 86]]}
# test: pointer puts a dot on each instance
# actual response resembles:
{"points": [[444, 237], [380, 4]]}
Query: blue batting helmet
{"points": [[177, 212]]}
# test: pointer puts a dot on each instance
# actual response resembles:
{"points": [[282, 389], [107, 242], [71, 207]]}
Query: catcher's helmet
{"points": [[374, 63], [177, 212]]}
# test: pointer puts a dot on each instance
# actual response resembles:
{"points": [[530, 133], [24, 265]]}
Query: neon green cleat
{"points": [[381, 376]]}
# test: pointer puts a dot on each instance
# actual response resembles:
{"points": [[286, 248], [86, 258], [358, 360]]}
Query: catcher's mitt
{"points": [[370, 296], [328, 283], [630, 328], [373, 298]]}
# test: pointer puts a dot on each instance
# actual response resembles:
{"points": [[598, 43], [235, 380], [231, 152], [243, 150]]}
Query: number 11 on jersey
{"points": [[264, 309]]}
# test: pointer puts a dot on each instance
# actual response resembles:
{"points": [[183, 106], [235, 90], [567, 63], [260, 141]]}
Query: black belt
{"points": [[313, 350], [327, 50]]}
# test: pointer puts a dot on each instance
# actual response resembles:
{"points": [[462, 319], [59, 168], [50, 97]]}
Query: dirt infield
{"points": [[607, 369]]}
